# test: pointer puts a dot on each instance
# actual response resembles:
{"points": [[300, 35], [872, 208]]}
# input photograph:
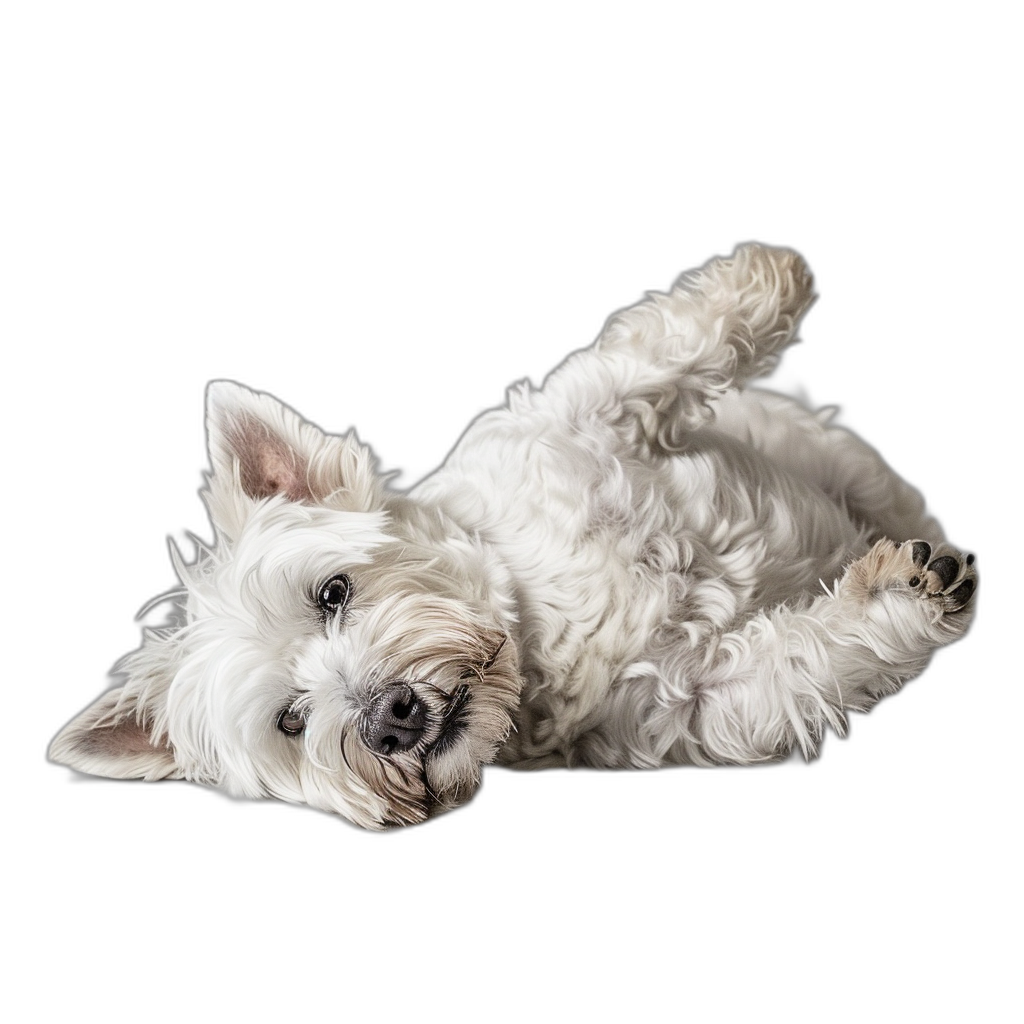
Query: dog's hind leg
{"points": [[808, 446], [657, 365], [773, 685]]}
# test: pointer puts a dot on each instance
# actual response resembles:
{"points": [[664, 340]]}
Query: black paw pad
{"points": [[921, 552], [963, 593], [946, 568]]}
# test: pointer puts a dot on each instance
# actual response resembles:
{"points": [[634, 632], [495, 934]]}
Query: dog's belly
{"points": [[616, 559]]}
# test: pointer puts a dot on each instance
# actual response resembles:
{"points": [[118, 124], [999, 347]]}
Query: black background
{"points": [[401, 295]]}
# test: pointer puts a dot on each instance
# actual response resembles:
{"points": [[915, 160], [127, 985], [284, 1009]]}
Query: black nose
{"points": [[395, 720]]}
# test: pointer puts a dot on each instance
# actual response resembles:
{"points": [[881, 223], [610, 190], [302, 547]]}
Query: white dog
{"points": [[636, 565]]}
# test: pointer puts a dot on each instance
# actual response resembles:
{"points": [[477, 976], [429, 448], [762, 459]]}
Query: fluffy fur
{"points": [[639, 564]]}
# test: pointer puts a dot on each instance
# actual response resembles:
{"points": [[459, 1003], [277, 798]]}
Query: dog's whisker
{"points": [[457, 700], [494, 657]]}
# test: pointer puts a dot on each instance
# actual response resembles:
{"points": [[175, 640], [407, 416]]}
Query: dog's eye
{"points": [[291, 722], [335, 593]]}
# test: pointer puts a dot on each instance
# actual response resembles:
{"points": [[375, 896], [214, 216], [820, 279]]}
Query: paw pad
{"points": [[950, 579], [945, 584]]}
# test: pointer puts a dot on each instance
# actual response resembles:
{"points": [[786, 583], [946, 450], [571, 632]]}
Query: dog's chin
{"points": [[454, 762], [453, 775], [449, 778]]}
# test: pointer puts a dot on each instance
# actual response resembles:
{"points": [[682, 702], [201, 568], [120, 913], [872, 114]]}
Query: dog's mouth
{"points": [[453, 720], [455, 716]]}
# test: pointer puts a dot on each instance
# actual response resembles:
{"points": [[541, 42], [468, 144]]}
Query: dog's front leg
{"points": [[811, 448], [774, 685]]}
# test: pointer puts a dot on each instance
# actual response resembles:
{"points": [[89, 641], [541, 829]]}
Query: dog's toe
{"points": [[921, 551], [946, 569], [950, 579]]}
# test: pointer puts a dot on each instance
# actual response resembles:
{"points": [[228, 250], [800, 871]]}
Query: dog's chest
{"points": [[616, 558], [594, 535]]}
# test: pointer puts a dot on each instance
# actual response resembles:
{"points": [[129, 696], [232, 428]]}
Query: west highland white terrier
{"points": [[638, 564]]}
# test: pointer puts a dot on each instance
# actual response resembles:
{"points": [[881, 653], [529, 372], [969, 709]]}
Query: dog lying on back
{"points": [[639, 564]]}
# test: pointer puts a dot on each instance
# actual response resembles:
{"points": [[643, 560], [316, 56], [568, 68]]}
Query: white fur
{"points": [[638, 564]]}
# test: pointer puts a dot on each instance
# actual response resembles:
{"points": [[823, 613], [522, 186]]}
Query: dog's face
{"points": [[336, 646]]}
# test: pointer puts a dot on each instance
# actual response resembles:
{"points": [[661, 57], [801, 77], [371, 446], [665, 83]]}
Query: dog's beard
{"points": [[466, 722], [463, 676]]}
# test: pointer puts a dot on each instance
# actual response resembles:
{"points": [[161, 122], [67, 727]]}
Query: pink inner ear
{"points": [[126, 739], [268, 464], [280, 471], [260, 449]]}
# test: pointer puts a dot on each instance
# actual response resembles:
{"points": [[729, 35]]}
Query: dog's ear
{"points": [[260, 448], [112, 739]]}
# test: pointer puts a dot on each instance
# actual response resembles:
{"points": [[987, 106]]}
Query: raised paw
{"points": [[947, 581]]}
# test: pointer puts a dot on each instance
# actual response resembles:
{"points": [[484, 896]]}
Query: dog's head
{"points": [[338, 645]]}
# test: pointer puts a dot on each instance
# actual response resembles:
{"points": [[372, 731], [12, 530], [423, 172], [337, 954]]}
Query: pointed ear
{"points": [[260, 448], [111, 739]]}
